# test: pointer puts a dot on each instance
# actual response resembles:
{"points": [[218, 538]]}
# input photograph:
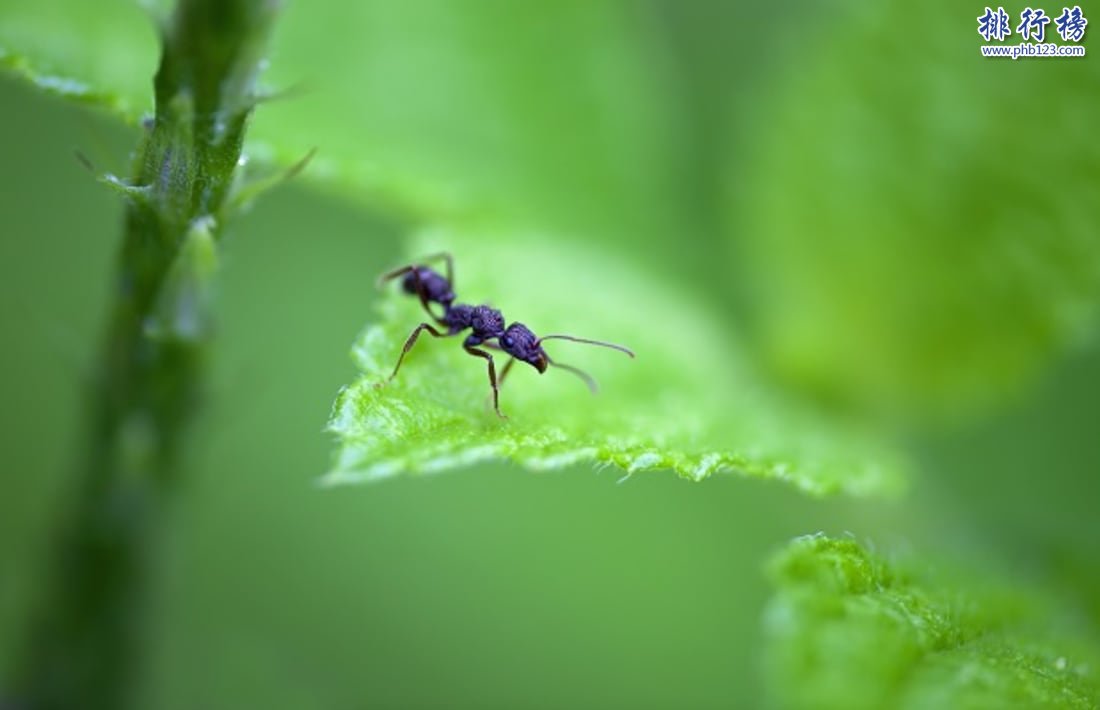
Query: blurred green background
{"points": [[904, 233]]}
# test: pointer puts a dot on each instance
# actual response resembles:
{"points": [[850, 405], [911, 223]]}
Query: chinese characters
{"points": [[995, 25]]}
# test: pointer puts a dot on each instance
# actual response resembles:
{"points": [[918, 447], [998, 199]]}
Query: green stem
{"points": [[85, 642]]}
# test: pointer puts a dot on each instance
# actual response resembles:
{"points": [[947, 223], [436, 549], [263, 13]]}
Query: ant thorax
{"points": [[458, 317], [486, 322]]}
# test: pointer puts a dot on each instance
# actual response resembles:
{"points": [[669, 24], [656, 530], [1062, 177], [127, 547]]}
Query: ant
{"points": [[485, 322]]}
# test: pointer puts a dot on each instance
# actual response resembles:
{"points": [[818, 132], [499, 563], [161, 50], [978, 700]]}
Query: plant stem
{"points": [[84, 649]]}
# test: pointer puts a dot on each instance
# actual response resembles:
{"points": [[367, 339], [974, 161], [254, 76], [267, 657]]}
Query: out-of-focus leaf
{"points": [[552, 118], [100, 53], [916, 223], [687, 403], [848, 630], [485, 111]]}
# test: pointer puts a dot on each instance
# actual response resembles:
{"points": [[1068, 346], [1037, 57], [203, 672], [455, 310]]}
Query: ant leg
{"points": [[390, 275], [507, 366], [446, 257], [504, 371], [492, 377], [409, 343]]}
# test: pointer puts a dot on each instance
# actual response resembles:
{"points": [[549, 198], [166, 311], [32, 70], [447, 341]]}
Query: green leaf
{"points": [[687, 403], [917, 224], [848, 630]]}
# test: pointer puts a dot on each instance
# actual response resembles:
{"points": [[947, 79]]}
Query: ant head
{"points": [[519, 342]]}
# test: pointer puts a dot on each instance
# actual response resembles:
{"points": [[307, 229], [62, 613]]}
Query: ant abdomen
{"points": [[435, 287]]}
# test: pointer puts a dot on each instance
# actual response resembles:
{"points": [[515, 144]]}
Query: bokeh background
{"points": [[896, 229]]}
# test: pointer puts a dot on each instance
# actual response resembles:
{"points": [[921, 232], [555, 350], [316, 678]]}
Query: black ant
{"points": [[487, 324]]}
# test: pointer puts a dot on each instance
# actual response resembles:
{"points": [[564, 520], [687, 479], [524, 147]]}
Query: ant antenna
{"points": [[588, 379], [620, 348]]}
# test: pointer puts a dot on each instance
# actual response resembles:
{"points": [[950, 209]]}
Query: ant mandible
{"points": [[486, 323]]}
